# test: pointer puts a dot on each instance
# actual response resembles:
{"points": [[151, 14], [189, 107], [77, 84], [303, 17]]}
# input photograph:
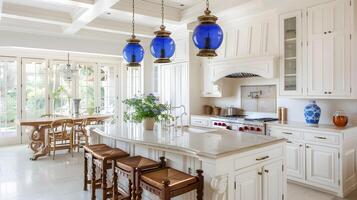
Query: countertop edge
{"points": [[191, 151]]}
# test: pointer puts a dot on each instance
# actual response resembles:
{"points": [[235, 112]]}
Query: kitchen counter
{"points": [[320, 127], [208, 142], [220, 153]]}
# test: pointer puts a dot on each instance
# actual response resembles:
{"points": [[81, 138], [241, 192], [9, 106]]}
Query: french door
{"points": [[10, 101], [31, 87], [35, 90]]}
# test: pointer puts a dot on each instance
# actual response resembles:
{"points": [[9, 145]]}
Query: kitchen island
{"points": [[236, 165]]}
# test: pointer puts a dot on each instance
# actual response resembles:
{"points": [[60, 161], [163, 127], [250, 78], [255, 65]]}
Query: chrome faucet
{"points": [[181, 116]]}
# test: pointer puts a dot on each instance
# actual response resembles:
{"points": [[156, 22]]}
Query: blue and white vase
{"points": [[312, 113]]}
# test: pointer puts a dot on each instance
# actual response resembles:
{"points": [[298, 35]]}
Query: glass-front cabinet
{"points": [[291, 54]]}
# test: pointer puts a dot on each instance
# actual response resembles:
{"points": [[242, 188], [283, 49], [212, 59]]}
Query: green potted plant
{"points": [[147, 109]]}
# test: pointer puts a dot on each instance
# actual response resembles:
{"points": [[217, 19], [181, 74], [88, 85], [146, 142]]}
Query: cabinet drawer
{"points": [[322, 138], [285, 133], [200, 122], [257, 158]]}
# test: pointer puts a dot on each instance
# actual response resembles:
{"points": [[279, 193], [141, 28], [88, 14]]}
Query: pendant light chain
{"points": [[207, 4], [133, 20], [162, 13]]}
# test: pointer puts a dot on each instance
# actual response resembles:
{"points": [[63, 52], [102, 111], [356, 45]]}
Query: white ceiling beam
{"points": [[150, 10], [17, 12], [111, 26], [190, 14], [77, 3], [28, 13], [89, 15]]}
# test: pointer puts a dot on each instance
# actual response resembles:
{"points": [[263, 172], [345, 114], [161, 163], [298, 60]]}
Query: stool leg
{"points": [[104, 179], [138, 189], [201, 183], [165, 194], [85, 182], [132, 185], [115, 183], [93, 182]]}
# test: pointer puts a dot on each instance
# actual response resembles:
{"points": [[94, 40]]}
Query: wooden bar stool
{"points": [[103, 159], [88, 150], [128, 167], [168, 183]]}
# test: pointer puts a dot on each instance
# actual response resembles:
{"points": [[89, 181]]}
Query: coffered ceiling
{"points": [[71, 17]]}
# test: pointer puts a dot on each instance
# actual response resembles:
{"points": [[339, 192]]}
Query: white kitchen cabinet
{"points": [[329, 49], [273, 181], [322, 165], [291, 54], [260, 182], [249, 184], [295, 159], [321, 157], [210, 88]]}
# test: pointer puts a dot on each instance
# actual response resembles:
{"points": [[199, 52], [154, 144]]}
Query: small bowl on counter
{"points": [[340, 119]]}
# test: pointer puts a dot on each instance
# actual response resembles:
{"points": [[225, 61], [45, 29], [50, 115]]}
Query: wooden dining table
{"points": [[38, 143]]}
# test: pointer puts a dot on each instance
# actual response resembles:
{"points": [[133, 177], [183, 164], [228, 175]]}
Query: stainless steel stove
{"points": [[241, 123]]}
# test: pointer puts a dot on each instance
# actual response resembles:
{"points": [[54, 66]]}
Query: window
{"points": [[62, 89], [35, 86], [8, 98], [86, 88]]}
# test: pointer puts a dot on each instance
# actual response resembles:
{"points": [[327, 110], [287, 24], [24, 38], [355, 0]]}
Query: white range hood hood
{"points": [[263, 66]]}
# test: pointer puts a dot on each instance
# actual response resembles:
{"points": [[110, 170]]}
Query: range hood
{"points": [[262, 66]]}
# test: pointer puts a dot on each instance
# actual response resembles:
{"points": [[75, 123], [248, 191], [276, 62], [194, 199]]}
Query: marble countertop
{"points": [[207, 142], [320, 127]]}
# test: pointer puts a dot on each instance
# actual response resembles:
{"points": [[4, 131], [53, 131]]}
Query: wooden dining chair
{"points": [[80, 134], [60, 136]]}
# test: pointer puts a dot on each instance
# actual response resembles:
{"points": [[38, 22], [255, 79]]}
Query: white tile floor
{"points": [[61, 179]]}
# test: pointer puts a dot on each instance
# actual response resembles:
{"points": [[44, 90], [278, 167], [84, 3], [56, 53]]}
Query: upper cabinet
{"points": [[329, 49], [315, 51], [291, 54]]}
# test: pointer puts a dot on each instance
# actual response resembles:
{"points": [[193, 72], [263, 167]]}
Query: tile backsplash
{"points": [[259, 98]]}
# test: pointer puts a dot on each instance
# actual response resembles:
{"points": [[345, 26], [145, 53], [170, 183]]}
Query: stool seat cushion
{"points": [[176, 178], [95, 147], [130, 163], [110, 154]]}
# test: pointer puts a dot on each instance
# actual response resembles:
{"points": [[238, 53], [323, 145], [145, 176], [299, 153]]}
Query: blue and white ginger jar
{"points": [[312, 113]]}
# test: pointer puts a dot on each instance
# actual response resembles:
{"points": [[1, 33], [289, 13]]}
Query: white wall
{"points": [[328, 108]]}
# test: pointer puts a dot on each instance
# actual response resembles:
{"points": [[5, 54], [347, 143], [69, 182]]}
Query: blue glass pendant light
{"points": [[208, 35], [162, 46], [133, 52]]}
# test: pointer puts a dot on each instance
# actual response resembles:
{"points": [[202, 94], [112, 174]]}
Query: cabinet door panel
{"points": [[316, 53], [248, 185], [291, 54], [338, 33], [329, 50], [295, 160], [322, 165], [273, 181]]}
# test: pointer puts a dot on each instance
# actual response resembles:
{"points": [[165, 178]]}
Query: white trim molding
{"points": [[264, 66]]}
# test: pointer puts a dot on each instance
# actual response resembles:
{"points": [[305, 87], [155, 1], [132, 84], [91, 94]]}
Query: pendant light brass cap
{"points": [[162, 60], [133, 64], [162, 32], [133, 39], [207, 53], [207, 18]]}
